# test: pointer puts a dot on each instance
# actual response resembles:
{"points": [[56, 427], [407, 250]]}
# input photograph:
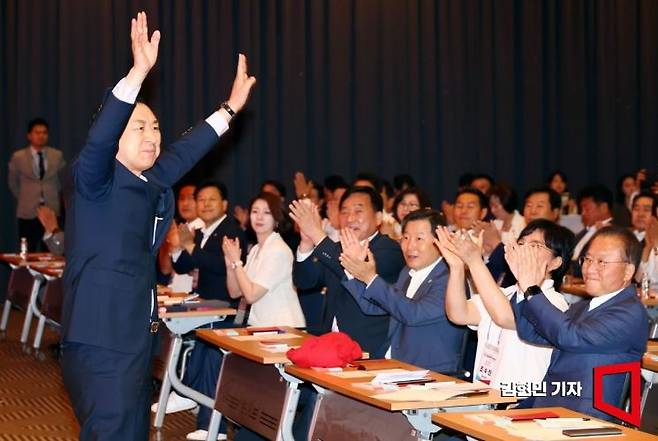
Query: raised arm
{"points": [[94, 167]]}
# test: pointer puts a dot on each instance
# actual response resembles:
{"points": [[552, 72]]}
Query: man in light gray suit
{"points": [[34, 181]]}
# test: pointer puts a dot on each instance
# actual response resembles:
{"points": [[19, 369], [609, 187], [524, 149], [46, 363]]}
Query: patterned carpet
{"points": [[33, 403]]}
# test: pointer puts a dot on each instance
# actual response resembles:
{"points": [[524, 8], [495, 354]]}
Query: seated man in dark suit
{"points": [[202, 252], [610, 328], [317, 263], [416, 302]]}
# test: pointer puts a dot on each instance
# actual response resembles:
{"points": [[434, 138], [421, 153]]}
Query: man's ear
{"points": [[629, 272], [555, 263], [378, 218], [225, 204]]}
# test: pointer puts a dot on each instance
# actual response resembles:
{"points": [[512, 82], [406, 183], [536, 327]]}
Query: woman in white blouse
{"points": [[502, 203], [265, 281]]}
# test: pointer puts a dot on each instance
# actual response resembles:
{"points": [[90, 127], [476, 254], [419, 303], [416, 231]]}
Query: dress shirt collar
{"points": [[603, 223], [212, 227], [35, 152], [424, 272], [599, 300], [639, 235], [368, 240]]}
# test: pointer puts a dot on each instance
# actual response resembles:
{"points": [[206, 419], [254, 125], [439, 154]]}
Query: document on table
{"points": [[433, 391], [366, 374], [265, 337]]}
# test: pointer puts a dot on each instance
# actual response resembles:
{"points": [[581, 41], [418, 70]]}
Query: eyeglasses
{"points": [[603, 264], [534, 244], [410, 205]]}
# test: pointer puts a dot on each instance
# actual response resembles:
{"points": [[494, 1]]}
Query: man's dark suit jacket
{"points": [[499, 268], [112, 235], [614, 332], [420, 332], [209, 260], [322, 268]]}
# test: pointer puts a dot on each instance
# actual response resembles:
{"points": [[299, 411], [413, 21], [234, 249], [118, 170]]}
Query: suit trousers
{"points": [[110, 391]]}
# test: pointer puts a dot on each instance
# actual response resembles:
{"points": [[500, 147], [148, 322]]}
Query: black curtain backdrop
{"points": [[432, 88]]}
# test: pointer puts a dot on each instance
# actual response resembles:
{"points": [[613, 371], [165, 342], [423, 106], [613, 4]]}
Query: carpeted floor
{"points": [[33, 403]]}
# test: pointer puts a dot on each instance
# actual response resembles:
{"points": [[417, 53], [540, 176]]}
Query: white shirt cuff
{"points": [[371, 280], [125, 92], [218, 123], [348, 275], [303, 256], [175, 255], [47, 235]]}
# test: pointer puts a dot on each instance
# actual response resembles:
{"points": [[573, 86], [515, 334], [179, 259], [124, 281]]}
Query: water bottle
{"points": [[23, 248], [644, 285]]}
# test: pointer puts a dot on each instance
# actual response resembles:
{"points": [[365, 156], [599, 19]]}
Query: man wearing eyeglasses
{"points": [[612, 327]]}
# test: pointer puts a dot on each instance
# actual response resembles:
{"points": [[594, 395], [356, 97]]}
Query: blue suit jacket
{"points": [[614, 332], [420, 332], [322, 269], [209, 260], [111, 229]]}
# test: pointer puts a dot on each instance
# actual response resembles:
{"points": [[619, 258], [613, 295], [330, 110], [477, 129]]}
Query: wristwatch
{"points": [[531, 291], [236, 264], [228, 109]]}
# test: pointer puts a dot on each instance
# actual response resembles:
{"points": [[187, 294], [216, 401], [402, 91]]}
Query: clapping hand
{"points": [[351, 246], [231, 249], [308, 219], [446, 247], [528, 264], [363, 270], [302, 186], [185, 236]]}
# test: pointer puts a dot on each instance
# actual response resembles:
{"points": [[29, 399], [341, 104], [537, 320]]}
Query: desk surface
{"points": [[650, 359], [15, 259], [251, 346], [578, 288], [489, 431], [350, 388], [199, 313]]}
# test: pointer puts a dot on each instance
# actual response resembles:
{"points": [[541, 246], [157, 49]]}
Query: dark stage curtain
{"points": [[432, 88]]}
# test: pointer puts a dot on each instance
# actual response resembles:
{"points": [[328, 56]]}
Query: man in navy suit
{"points": [[121, 209], [416, 302], [610, 328], [317, 263]]}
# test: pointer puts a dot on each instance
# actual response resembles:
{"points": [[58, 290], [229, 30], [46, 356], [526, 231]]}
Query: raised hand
{"points": [[363, 270], [231, 249], [302, 186], [351, 245], [447, 249], [47, 218], [145, 51], [242, 85], [308, 219], [531, 266]]}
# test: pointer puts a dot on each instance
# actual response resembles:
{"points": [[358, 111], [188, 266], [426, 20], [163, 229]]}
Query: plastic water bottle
{"points": [[645, 284], [23, 248]]}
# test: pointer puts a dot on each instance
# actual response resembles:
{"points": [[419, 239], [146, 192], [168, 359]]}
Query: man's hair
{"points": [[465, 180], [334, 182], [432, 216], [212, 183], [632, 249], [375, 180], [36, 122], [482, 199], [275, 206], [482, 176], [387, 188], [400, 181], [553, 198], [375, 197], [598, 193], [559, 240], [647, 194], [507, 196], [276, 184], [423, 200], [559, 173]]}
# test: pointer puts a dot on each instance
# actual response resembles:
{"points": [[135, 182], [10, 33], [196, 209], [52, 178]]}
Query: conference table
{"points": [[512, 425], [350, 406]]}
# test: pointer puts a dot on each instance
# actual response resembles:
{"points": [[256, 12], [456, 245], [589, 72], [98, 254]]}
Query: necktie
{"points": [[42, 166]]}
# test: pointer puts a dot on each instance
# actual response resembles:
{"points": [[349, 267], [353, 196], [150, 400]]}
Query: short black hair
{"points": [[560, 240], [212, 183], [276, 184], [632, 248], [423, 200], [484, 201], [375, 180], [507, 196], [553, 198], [598, 193], [434, 217], [559, 173], [38, 121], [647, 194], [387, 188], [400, 182], [375, 197], [483, 176], [465, 180], [334, 182]]}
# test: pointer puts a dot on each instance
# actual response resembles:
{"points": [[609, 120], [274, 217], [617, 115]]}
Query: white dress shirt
{"points": [[590, 232]]}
